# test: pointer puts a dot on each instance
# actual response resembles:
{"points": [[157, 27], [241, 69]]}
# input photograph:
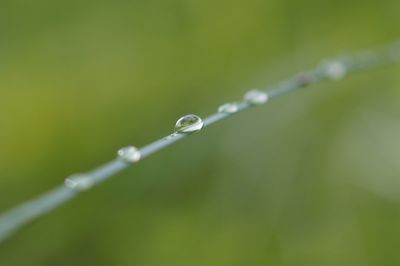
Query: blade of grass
{"points": [[334, 70]]}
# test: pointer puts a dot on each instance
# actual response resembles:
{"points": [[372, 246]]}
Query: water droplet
{"points": [[228, 108], [189, 124], [335, 70], [129, 154], [79, 182], [256, 97]]}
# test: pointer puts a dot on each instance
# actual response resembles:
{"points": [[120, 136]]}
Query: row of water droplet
{"points": [[83, 182], [191, 123], [334, 70], [185, 125]]}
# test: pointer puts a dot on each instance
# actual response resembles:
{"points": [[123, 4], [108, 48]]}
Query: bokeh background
{"points": [[311, 179]]}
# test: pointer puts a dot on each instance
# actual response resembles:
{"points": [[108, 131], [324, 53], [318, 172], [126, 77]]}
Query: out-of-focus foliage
{"points": [[311, 179]]}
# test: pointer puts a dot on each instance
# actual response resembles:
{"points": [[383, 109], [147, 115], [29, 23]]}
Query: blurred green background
{"points": [[311, 179]]}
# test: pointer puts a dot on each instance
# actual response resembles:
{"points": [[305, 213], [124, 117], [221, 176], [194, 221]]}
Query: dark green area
{"points": [[311, 179]]}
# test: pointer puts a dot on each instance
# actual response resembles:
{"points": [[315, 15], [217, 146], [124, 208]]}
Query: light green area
{"points": [[311, 179]]}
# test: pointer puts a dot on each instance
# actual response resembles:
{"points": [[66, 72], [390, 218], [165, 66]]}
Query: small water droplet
{"points": [[256, 97], [79, 182], [335, 70], [129, 154], [189, 124], [228, 108]]}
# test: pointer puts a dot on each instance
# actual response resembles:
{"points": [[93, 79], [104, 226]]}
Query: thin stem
{"points": [[337, 69]]}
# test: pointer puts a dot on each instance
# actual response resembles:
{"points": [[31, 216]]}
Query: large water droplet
{"points": [[335, 70], [256, 97], [129, 154], [79, 182], [189, 124], [228, 108]]}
